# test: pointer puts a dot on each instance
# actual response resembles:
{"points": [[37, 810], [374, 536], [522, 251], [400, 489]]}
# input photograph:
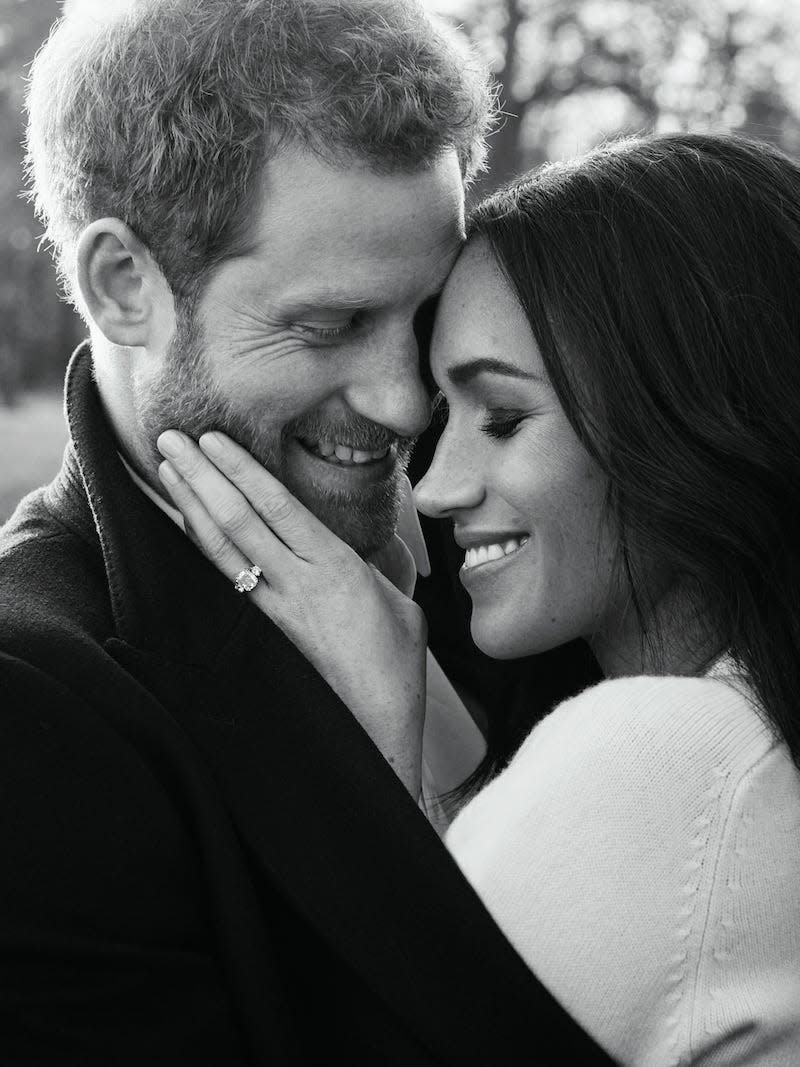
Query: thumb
{"points": [[395, 562]]}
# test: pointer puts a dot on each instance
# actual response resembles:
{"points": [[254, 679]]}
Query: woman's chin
{"points": [[513, 642], [496, 643]]}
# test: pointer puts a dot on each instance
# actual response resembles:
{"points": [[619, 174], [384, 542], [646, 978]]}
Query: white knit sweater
{"points": [[642, 853]]}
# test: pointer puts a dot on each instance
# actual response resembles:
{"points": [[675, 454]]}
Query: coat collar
{"points": [[320, 813], [162, 589]]}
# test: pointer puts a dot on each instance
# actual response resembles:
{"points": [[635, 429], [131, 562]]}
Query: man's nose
{"points": [[390, 391], [452, 484]]}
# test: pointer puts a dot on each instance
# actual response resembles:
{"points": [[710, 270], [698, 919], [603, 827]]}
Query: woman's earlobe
{"points": [[119, 282]]}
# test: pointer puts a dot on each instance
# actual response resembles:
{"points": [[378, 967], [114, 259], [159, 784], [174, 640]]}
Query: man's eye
{"points": [[328, 333], [500, 422], [325, 333]]}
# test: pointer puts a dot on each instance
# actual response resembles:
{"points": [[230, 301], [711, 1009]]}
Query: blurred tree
{"points": [[37, 330], [572, 71], [576, 71]]}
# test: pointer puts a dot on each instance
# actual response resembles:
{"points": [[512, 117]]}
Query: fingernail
{"points": [[211, 444], [168, 474], [170, 443]]}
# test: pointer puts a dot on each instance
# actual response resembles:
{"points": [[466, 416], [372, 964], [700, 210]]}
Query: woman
{"points": [[619, 350]]}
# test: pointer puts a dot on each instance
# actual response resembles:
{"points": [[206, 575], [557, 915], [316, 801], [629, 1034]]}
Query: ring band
{"points": [[246, 580]]}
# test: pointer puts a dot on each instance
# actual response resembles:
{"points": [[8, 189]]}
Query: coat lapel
{"points": [[318, 809]]}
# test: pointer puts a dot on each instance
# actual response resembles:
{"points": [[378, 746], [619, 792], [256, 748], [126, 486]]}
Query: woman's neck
{"points": [[674, 641]]}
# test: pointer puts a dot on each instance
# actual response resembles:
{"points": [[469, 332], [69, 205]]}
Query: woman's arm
{"points": [[363, 635]]}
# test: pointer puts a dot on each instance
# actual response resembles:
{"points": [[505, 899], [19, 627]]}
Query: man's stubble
{"points": [[185, 396]]}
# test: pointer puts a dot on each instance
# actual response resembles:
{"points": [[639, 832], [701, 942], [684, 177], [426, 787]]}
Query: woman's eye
{"points": [[501, 422]]}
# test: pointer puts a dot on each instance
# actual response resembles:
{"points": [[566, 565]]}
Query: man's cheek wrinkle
{"points": [[257, 349]]}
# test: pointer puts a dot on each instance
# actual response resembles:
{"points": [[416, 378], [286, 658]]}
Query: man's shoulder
{"points": [[31, 521], [52, 582]]}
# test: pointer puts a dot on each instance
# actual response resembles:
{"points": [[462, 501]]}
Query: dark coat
{"points": [[204, 859]]}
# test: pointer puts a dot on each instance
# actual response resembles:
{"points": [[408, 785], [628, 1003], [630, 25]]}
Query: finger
{"points": [[229, 509], [230, 560], [285, 515]]}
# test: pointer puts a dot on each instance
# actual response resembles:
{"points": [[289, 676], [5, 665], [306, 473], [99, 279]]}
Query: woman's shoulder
{"points": [[653, 724], [646, 834], [653, 751]]}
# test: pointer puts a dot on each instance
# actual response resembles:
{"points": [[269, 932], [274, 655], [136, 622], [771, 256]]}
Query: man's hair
{"points": [[164, 116], [659, 277]]}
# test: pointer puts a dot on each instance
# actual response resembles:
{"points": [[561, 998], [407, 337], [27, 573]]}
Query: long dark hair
{"points": [[661, 278]]}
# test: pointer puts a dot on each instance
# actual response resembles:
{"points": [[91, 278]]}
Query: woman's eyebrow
{"points": [[462, 373]]}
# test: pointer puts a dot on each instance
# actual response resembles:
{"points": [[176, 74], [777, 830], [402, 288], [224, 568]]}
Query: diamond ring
{"points": [[246, 580]]}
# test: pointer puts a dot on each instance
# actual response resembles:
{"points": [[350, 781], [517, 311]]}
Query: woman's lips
{"points": [[490, 554]]}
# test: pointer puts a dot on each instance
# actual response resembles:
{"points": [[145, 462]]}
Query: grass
{"points": [[32, 438]]}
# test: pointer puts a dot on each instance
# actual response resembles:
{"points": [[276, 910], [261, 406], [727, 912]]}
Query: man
{"points": [[205, 860]]}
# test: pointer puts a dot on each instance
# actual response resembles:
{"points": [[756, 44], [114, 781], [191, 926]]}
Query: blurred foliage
{"points": [[573, 72], [37, 330]]}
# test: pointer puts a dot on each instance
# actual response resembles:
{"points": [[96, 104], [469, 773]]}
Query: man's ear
{"points": [[121, 285]]}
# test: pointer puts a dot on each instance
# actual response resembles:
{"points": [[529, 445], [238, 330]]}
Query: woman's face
{"points": [[525, 497]]}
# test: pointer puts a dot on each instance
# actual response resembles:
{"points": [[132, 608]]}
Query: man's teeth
{"points": [[338, 453], [473, 557]]}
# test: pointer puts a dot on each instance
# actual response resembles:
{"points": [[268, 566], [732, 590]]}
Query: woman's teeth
{"points": [[473, 557], [344, 454]]}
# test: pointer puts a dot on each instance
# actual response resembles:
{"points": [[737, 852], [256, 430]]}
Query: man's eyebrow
{"points": [[463, 373], [328, 300]]}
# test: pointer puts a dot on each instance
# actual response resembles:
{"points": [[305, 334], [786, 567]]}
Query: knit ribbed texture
{"points": [[642, 853]]}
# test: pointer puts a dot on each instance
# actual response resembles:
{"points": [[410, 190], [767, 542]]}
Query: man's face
{"points": [[303, 348]]}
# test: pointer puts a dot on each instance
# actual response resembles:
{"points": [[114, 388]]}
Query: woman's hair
{"points": [[661, 279]]}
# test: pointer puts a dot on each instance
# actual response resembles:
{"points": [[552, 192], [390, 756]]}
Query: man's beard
{"points": [[186, 397]]}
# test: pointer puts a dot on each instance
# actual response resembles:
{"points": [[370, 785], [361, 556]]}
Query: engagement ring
{"points": [[246, 581]]}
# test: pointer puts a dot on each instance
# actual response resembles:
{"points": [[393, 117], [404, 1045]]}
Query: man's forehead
{"points": [[353, 210], [350, 290], [350, 238], [366, 246]]}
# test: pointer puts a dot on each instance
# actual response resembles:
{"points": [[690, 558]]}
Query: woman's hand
{"points": [[363, 635]]}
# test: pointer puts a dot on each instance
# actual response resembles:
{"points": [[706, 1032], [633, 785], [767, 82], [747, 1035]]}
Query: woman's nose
{"points": [[451, 483]]}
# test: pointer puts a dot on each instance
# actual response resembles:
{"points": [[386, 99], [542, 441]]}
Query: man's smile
{"points": [[339, 452], [339, 465]]}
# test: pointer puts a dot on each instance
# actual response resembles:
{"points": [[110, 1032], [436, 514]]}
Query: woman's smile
{"points": [[482, 550]]}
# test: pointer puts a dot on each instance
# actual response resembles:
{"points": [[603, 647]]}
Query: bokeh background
{"points": [[572, 72]]}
